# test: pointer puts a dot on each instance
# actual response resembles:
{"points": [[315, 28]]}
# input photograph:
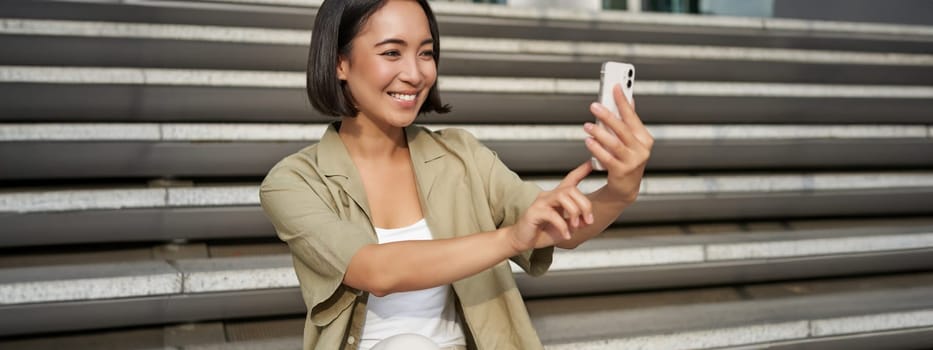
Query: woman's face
{"points": [[390, 67]]}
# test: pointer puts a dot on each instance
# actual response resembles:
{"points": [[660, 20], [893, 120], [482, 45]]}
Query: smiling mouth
{"points": [[403, 97]]}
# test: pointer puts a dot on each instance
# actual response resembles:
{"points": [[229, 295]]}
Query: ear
{"points": [[343, 67]]}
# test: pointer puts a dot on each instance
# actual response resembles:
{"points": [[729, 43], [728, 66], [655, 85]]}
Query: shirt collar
{"points": [[335, 162], [422, 146], [334, 159]]}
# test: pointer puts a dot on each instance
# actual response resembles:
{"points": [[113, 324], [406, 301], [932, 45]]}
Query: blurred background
{"points": [[788, 202]]}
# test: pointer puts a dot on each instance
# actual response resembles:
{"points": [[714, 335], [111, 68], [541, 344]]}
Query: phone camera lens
{"points": [[630, 73], [629, 84]]}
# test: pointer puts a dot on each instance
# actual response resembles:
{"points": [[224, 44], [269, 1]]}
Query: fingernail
{"points": [[597, 106], [588, 126], [590, 219]]}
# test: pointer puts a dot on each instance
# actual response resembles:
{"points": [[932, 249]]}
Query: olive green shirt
{"points": [[317, 203]]}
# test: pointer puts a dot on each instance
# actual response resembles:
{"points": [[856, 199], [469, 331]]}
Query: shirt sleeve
{"points": [[301, 209], [509, 197]]}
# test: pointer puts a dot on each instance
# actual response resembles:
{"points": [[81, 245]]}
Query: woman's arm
{"points": [[625, 155], [382, 269], [387, 268]]}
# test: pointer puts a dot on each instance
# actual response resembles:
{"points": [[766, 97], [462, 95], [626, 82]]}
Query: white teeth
{"points": [[403, 97]]}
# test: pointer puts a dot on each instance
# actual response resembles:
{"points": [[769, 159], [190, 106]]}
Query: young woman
{"points": [[400, 235]]}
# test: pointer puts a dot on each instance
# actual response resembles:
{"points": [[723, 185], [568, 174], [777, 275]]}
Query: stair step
{"points": [[616, 262], [279, 79], [121, 44], [728, 317], [34, 151], [231, 248], [151, 94], [859, 312], [605, 256], [112, 253], [459, 19], [42, 216], [207, 194], [87, 282]]}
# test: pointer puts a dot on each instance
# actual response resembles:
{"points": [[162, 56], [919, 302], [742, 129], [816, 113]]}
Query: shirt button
{"points": [[351, 340]]}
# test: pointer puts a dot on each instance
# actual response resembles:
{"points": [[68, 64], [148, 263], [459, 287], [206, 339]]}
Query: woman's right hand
{"points": [[553, 216]]}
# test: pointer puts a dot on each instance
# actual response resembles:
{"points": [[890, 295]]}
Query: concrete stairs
{"points": [[786, 204]]}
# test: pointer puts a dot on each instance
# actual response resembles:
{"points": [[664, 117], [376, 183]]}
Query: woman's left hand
{"points": [[625, 154]]}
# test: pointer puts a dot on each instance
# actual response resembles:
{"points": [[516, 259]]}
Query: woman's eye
{"points": [[428, 53], [391, 53]]}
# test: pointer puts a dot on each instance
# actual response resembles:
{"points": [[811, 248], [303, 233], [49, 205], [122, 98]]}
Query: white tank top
{"points": [[428, 312]]}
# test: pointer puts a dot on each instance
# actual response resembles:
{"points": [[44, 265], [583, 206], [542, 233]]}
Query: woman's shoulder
{"points": [[302, 163]]}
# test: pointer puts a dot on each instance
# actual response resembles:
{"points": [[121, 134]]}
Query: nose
{"points": [[410, 72]]}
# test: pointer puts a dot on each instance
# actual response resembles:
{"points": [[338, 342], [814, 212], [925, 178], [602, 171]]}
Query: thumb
{"points": [[576, 175]]}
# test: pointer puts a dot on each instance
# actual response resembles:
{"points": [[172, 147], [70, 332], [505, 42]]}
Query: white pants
{"points": [[411, 341]]}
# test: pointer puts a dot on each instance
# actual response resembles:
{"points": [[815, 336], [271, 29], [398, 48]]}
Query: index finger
{"points": [[576, 175]]}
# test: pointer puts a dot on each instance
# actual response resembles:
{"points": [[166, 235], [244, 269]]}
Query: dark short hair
{"points": [[336, 24]]}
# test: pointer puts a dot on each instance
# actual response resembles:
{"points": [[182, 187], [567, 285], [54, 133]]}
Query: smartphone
{"points": [[613, 73]]}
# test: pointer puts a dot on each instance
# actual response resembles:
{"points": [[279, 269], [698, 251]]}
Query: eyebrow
{"points": [[402, 42]]}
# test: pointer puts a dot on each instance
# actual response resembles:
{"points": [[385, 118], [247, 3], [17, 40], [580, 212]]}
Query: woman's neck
{"points": [[367, 140]]}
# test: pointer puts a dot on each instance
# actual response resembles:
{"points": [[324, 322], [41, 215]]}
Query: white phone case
{"points": [[613, 73]]}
